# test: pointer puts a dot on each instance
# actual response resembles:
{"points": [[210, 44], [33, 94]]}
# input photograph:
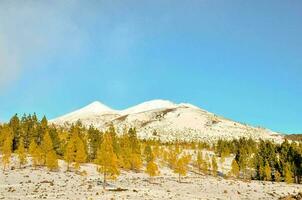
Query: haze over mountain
{"points": [[167, 121]]}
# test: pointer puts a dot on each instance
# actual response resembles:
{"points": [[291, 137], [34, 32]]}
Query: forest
{"points": [[28, 138]]}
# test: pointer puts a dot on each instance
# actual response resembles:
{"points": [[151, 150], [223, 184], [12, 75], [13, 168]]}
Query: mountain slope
{"points": [[167, 121]]}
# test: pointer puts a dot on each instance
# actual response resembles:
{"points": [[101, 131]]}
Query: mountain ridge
{"points": [[167, 121]]}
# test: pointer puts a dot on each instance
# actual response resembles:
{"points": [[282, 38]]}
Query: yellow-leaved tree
{"points": [[107, 160], [50, 156], [267, 172], [135, 162], [35, 159], [36, 153], [151, 168], [205, 164], [172, 157], [214, 166], [7, 148], [81, 155], [52, 161], [234, 169], [69, 154], [288, 174], [199, 161], [21, 153], [277, 176], [181, 166]]}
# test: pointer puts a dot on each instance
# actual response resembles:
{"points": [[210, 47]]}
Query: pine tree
{"points": [[206, 164], [107, 160], [21, 153], [52, 161], [148, 153], [181, 166], [32, 147], [261, 171], [7, 150], [136, 162], [152, 169], [135, 158], [69, 155], [199, 161], [288, 175], [81, 155], [172, 158], [14, 124], [214, 166], [221, 161], [277, 176], [267, 172], [235, 169], [36, 154], [94, 141], [49, 155], [46, 146]]}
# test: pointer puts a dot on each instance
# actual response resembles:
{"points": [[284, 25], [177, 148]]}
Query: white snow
{"points": [[29, 183], [92, 110], [167, 121], [149, 105]]}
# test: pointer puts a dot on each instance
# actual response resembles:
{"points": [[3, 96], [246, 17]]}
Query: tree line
{"points": [[45, 144]]}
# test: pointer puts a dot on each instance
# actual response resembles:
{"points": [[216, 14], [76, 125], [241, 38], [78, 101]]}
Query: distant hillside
{"points": [[295, 137], [167, 121]]}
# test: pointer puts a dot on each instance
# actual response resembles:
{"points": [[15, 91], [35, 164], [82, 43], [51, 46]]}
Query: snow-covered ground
{"points": [[28, 183], [167, 121]]}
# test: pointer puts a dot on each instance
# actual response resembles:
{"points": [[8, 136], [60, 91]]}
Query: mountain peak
{"points": [[96, 107], [150, 105]]}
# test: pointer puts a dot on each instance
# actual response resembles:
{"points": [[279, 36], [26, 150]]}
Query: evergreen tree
{"points": [[107, 160], [267, 172], [288, 175], [81, 155], [14, 124], [221, 161], [52, 160], [94, 141], [206, 164], [21, 153], [46, 146], [70, 152], [126, 152], [214, 165], [172, 157], [148, 153], [135, 162], [36, 154], [49, 155], [199, 161], [32, 147], [152, 168], [235, 169], [277, 176], [7, 150], [135, 157], [181, 167]]}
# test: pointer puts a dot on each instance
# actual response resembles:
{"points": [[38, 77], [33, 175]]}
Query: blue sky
{"points": [[239, 59]]}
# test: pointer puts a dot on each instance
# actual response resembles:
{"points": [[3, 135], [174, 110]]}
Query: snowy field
{"points": [[28, 183]]}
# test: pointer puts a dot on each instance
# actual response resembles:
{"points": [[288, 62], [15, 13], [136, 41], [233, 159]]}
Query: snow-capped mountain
{"points": [[167, 121]]}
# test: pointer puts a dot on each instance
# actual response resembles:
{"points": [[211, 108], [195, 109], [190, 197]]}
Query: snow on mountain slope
{"points": [[167, 121], [149, 105], [94, 113]]}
